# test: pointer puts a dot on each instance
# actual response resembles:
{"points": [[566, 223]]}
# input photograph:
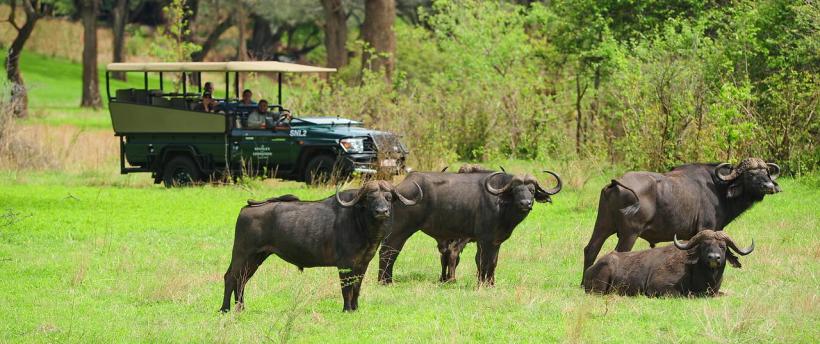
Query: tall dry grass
{"points": [[43, 147]]}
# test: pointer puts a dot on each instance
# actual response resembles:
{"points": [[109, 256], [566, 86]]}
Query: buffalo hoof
{"points": [[224, 310], [240, 307]]}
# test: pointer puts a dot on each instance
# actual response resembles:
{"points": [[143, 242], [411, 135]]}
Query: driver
{"points": [[256, 120]]}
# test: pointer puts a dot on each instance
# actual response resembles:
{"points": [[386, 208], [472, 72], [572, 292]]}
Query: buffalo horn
{"points": [[557, 187], [729, 177], [681, 245], [406, 201], [774, 170], [742, 252], [493, 190], [350, 203]]}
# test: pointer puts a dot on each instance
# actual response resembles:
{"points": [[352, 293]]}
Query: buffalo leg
{"points": [[601, 232], [231, 280], [626, 242], [450, 257], [241, 269], [357, 286], [488, 259], [253, 264], [348, 277], [388, 253]]}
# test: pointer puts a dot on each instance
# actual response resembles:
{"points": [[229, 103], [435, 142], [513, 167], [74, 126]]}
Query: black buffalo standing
{"points": [[656, 206], [330, 232], [691, 269], [481, 206]]}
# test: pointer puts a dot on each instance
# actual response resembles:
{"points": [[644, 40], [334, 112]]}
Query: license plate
{"points": [[388, 163]]}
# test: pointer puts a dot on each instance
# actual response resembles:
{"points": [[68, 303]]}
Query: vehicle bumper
{"points": [[371, 164]]}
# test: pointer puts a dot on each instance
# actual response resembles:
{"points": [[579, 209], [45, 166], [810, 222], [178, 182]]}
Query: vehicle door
{"points": [[272, 149]]}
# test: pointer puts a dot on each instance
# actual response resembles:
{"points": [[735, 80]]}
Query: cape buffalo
{"points": [[657, 206], [330, 232], [482, 206], [691, 269]]}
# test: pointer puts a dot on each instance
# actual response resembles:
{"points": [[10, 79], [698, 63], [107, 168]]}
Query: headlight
{"points": [[352, 145]]}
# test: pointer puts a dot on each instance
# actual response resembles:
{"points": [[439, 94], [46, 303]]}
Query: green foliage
{"points": [[169, 43]]}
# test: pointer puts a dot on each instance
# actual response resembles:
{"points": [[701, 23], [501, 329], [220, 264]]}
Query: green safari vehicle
{"points": [[163, 132]]}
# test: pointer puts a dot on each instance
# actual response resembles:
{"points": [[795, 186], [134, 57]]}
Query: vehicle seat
{"points": [[125, 95], [140, 96], [159, 101], [179, 103]]}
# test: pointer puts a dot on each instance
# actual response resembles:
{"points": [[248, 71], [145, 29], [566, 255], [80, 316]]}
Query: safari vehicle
{"points": [[160, 133]]}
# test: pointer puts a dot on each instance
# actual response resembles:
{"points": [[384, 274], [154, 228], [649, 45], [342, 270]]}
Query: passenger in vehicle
{"points": [[256, 120], [209, 88], [208, 103], [247, 96]]}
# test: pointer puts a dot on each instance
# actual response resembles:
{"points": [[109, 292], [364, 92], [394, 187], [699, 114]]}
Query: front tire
{"points": [[181, 171], [320, 170]]}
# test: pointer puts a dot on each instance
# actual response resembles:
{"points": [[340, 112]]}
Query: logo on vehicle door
{"points": [[261, 151]]}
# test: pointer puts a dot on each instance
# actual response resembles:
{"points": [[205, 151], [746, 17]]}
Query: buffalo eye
{"points": [[388, 197]]}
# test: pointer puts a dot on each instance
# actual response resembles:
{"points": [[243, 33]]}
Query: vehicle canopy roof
{"points": [[235, 66]]}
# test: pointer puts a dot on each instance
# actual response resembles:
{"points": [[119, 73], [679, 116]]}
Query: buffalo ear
{"points": [[542, 197], [734, 190], [692, 256], [732, 259]]}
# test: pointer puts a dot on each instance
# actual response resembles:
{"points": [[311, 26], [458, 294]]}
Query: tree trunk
{"points": [[335, 33], [91, 87], [210, 41], [119, 16], [263, 43], [377, 31], [19, 93], [579, 97]]}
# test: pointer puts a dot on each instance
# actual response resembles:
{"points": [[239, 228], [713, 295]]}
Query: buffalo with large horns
{"points": [[339, 232], [656, 206], [694, 268], [474, 205]]}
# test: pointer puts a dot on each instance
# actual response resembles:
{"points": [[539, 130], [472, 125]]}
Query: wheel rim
{"points": [[182, 177]]}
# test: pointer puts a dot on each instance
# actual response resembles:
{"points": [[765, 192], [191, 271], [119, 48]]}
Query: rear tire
{"points": [[181, 171], [320, 170]]}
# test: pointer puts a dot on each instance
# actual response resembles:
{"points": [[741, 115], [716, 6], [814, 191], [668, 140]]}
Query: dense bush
{"points": [[687, 82]]}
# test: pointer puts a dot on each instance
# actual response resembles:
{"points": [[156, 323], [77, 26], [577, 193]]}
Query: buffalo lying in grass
{"points": [[691, 269], [657, 206], [477, 205], [330, 232]]}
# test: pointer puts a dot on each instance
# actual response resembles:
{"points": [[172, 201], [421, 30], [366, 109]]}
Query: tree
{"points": [[91, 80], [335, 33], [34, 10], [377, 31], [119, 17]]}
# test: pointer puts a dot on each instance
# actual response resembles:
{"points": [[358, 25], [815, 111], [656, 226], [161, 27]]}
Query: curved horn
{"points": [[558, 186], [773, 174], [729, 177], [681, 245], [406, 201], [493, 190], [350, 203], [742, 252]]}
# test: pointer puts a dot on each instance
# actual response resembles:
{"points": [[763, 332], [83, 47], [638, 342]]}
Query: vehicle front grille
{"points": [[386, 143]]}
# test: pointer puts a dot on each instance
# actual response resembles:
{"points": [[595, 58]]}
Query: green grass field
{"points": [[93, 256], [121, 264]]}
